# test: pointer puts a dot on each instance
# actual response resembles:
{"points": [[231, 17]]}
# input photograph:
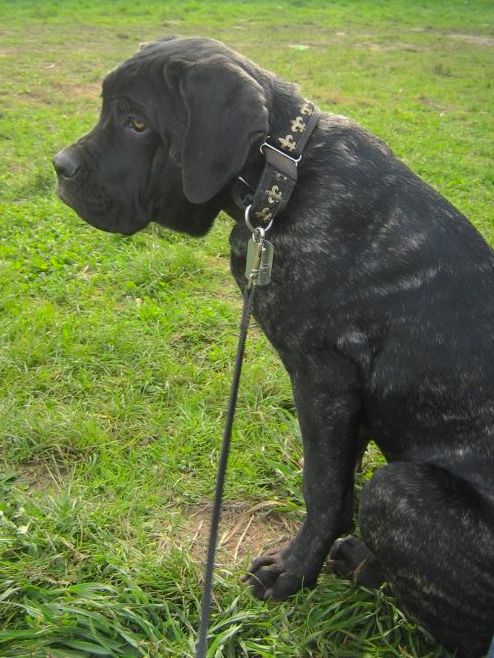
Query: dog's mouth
{"points": [[97, 208]]}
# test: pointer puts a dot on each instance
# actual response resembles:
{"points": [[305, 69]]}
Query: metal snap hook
{"points": [[258, 234]]}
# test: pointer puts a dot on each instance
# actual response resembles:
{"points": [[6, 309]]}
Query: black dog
{"points": [[381, 306]]}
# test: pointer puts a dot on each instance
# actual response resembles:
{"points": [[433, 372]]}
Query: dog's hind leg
{"points": [[431, 535], [351, 558]]}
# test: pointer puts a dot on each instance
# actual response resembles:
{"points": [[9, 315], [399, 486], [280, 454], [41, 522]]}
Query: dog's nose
{"points": [[66, 163]]}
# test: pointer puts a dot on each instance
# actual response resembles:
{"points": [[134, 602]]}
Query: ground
{"points": [[116, 353]]}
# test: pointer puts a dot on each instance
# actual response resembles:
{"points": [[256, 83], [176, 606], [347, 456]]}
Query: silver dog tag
{"points": [[259, 262]]}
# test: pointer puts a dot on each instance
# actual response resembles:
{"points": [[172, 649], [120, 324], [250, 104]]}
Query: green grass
{"points": [[116, 353]]}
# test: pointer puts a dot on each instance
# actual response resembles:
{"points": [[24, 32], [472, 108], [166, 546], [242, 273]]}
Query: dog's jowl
{"points": [[381, 307]]}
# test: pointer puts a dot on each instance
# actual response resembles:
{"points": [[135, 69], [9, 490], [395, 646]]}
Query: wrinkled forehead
{"points": [[124, 79], [147, 64]]}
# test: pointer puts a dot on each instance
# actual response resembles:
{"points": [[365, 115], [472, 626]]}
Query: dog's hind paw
{"points": [[349, 557]]}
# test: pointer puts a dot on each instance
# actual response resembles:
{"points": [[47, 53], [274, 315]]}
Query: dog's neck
{"points": [[290, 124]]}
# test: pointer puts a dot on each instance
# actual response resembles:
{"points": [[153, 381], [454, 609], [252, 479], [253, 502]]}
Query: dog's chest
{"points": [[291, 308]]}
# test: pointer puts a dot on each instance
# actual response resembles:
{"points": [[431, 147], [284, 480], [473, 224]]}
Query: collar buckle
{"points": [[281, 161], [273, 148]]}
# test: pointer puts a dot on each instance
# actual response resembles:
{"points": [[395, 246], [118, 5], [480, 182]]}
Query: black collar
{"points": [[282, 154]]}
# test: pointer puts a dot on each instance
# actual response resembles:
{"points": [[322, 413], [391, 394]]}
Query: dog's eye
{"points": [[136, 125]]}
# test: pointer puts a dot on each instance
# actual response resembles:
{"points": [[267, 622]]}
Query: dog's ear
{"points": [[226, 115]]}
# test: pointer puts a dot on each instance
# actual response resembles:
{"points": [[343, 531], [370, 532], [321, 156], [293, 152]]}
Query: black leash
{"points": [[258, 272], [270, 198], [202, 644]]}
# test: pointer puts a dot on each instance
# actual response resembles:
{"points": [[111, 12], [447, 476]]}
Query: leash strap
{"points": [[202, 644]]}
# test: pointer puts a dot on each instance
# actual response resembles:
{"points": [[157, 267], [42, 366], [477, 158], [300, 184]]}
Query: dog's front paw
{"points": [[275, 576]]}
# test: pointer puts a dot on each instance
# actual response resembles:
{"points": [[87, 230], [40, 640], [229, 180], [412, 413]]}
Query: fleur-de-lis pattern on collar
{"points": [[288, 142], [274, 194], [298, 125]]}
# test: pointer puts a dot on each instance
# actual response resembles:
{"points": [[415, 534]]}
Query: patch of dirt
{"points": [[395, 45], [478, 40], [246, 531], [86, 91], [430, 102], [475, 39], [38, 475], [49, 94], [40, 96]]}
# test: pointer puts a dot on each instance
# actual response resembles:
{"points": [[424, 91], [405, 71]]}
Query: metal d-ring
{"points": [[253, 229]]}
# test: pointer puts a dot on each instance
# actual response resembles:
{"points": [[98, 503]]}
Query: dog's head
{"points": [[179, 120]]}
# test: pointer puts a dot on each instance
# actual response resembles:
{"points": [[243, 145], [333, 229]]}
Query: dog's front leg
{"points": [[329, 420]]}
